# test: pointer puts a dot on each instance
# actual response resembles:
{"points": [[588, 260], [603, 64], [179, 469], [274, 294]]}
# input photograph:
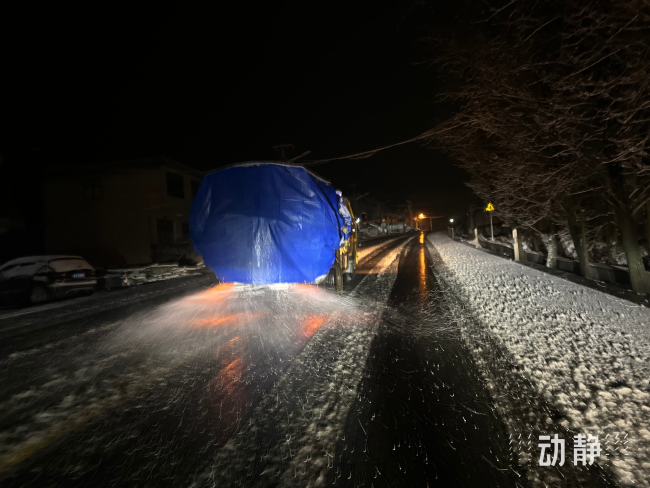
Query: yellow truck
{"points": [[346, 256], [262, 223]]}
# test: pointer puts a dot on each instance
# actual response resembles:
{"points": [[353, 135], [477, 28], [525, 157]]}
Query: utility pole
{"points": [[490, 208], [491, 227]]}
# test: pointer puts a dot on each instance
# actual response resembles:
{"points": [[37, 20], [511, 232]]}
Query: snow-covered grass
{"points": [[566, 244], [585, 352]]}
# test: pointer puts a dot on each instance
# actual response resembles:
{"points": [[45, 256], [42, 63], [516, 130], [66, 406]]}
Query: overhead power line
{"points": [[372, 152]]}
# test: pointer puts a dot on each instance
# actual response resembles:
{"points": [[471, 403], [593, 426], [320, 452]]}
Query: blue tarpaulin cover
{"points": [[262, 223]]}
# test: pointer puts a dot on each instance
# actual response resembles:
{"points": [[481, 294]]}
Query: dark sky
{"points": [[209, 87]]}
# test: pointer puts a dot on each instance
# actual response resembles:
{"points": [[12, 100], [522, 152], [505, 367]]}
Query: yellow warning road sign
{"points": [[489, 208]]}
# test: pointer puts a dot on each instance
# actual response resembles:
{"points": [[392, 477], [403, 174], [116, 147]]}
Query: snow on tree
{"points": [[554, 122]]}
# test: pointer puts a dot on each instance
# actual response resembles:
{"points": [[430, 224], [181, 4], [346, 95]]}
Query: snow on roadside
{"points": [[291, 437], [586, 353], [154, 272], [366, 248]]}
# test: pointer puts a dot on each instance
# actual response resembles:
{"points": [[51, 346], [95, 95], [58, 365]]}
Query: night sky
{"points": [[224, 85]]}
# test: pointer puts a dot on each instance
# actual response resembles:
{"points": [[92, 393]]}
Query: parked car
{"points": [[36, 279]]}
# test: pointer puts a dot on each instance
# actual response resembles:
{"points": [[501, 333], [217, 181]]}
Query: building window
{"points": [[175, 185], [92, 190], [186, 231], [165, 230], [195, 187]]}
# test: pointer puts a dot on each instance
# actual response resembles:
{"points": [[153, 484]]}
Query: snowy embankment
{"points": [[154, 272], [368, 247], [586, 353], [365, 249]]}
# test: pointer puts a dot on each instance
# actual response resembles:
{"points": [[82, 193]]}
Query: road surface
{"points": [[188, 383]]}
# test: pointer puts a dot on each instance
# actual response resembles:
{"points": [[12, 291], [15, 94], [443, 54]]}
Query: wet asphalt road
{"points": [[423, 416], [199, 385]]}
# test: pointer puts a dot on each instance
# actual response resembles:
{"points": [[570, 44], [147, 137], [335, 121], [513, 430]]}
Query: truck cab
{"points": [[346, 256]]}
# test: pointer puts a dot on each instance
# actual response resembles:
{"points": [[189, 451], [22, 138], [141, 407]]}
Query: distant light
{"points": [[451, 220], [421, 216], [358, 220]]}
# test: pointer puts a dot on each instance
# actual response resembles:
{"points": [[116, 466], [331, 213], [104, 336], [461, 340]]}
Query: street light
{"points": [[451, 220], [421, 216]]}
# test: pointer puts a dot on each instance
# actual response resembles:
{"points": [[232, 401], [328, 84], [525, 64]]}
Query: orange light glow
{"points": [[223, 320], [215, 294], [227, 346], [232, 341], [422, 282], [306, 289], [311, 323], [228, 379], [421, 238]]}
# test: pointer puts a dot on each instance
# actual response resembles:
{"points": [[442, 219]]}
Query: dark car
{"points": [[36, 279]]}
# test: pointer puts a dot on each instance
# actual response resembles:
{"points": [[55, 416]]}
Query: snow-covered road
{"points": [[154, 388], [584, 355], [265, 386], [308, 406]]}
